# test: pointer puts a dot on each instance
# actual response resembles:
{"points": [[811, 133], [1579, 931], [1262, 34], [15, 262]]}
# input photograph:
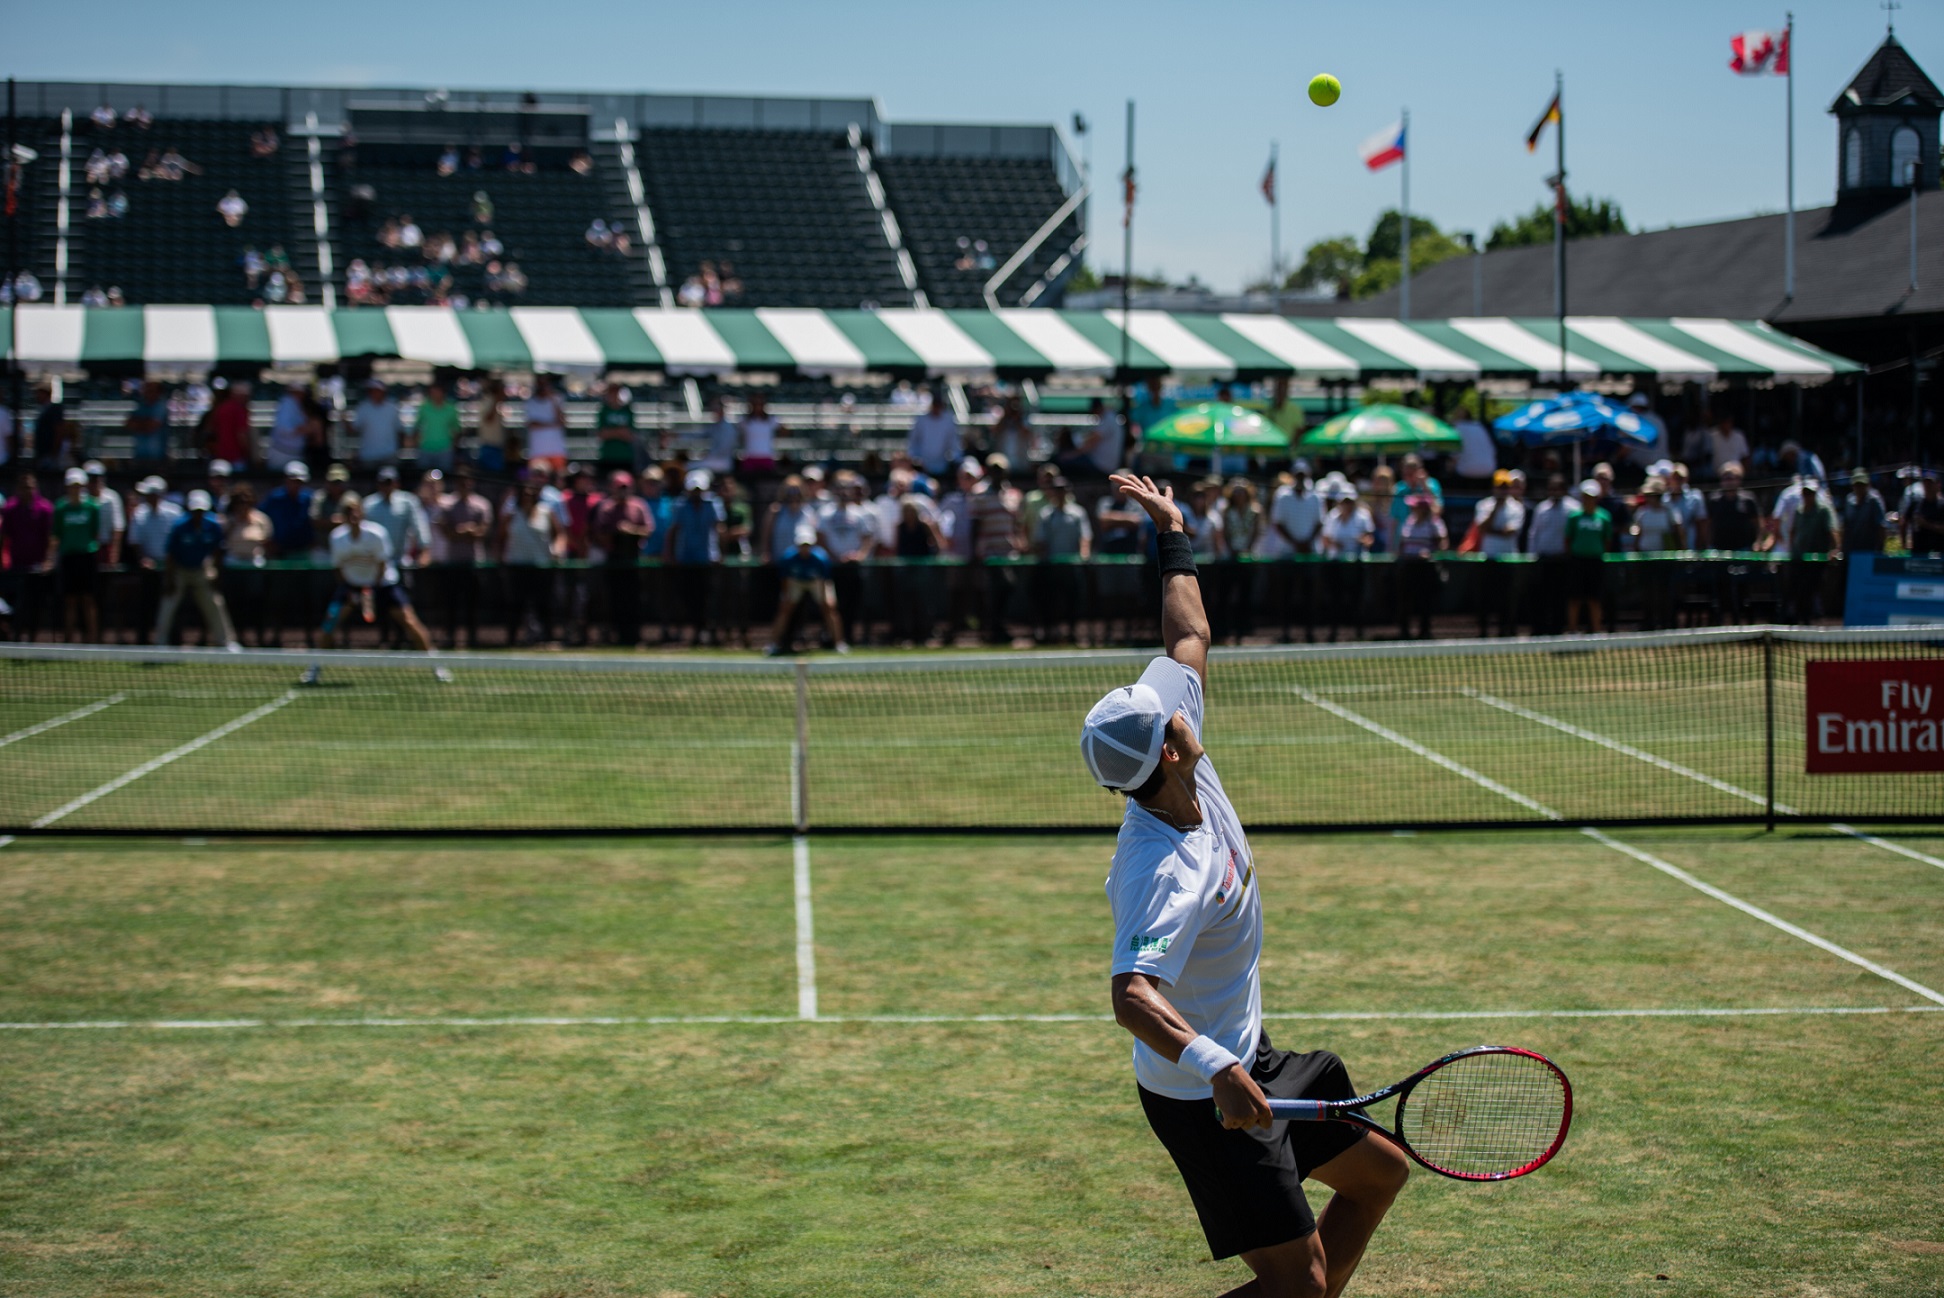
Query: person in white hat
{"points": [[367, 578], [806, 572], [192, 549], [1187, 941]]}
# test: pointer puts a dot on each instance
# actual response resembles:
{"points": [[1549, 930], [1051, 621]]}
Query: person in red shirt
{"points": [[230, 437], [26, 524]]}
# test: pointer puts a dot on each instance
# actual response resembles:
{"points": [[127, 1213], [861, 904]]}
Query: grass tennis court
{"points": [[1745, 1154]]}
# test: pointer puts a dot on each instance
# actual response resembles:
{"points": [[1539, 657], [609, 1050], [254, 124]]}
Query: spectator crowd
{"points": [[993, 528]]}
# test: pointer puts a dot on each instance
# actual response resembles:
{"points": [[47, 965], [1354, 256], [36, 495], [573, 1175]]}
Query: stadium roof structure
{"points": [[1009, 343]]}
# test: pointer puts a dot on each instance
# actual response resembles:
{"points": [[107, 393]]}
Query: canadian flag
{"points": [[1759, 52]]}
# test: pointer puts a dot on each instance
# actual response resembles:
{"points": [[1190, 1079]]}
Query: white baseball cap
{"points": [[297, 469], [697, 480], [1124, 732], [199, 499], [806, 534], [75, 478]]}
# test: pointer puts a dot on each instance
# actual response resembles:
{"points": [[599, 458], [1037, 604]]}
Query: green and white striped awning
{"points": [[961, 344]]}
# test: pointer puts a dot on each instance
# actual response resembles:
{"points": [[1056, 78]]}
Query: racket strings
{"points": [[1484, 1115]]}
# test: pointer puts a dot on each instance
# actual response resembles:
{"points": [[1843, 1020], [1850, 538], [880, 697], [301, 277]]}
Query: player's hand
{"points": [[1157, 501], [1240, 1100]]}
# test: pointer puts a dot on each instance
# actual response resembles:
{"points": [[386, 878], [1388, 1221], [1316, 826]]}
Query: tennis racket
{"points": [[1489, 1113]]}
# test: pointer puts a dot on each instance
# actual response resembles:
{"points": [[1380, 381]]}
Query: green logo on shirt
{"points": [[1142, 945]]}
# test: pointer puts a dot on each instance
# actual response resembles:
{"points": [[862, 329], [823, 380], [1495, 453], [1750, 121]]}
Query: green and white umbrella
{"points": [[1379, 428], [1014, 342], [1216, 426]]}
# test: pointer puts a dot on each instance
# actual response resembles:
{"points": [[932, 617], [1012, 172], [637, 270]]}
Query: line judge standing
{"points": [[1187, 944]]}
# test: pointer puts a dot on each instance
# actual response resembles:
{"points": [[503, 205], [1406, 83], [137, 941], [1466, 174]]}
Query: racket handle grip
{"points": [[1294, 1111]]}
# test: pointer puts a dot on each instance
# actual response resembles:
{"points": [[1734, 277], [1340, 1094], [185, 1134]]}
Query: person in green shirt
{"points": [[76, 542], [615, 427], [436, 429], [1589, 535]]}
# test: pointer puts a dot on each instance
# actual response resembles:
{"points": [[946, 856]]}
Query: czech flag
{"points": [[1384, 148]]}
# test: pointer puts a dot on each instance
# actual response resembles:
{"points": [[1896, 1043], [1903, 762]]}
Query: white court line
{"points": [[1675, 768], [1411, 745], [782, 1020], [806, 943], [1676, 872], [41, 728], [1672, 871], [157, 763]]}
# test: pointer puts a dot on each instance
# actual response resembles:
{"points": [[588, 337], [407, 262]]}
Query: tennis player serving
{"points": [[1187, 942]]}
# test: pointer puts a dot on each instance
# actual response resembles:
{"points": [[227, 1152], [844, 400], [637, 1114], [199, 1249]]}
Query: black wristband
{"points": [[1175, 552]]}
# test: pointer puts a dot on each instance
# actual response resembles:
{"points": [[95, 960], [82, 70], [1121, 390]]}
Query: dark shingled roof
{"points": [[1887, 79], [1850, 263]]}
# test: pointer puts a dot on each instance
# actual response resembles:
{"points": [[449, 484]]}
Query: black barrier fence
{"points": [[1103, 600]]}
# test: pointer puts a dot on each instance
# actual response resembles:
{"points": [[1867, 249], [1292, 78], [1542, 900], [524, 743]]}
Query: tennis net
{"points": [[1701, 726]]}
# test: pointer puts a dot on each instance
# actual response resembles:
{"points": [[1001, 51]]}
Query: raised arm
{"points": [[1184, 623]]}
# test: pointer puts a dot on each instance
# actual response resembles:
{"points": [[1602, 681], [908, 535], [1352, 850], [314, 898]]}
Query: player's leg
{"points": [[1367, 1178], [786, 605], [832, 619], [1295, 1269]]}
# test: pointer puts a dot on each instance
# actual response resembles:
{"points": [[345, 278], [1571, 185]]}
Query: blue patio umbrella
{"points": [[1570, 419]]}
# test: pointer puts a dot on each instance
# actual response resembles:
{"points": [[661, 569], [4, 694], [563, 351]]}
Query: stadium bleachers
{"points": [[542, 219], [788, 210], [171, 246], [948, 205]]}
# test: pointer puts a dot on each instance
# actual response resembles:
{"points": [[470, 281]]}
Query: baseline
{"points": [[785, 1020]]}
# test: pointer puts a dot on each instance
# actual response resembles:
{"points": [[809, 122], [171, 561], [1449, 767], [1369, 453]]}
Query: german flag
{"points": [[1539, 127]]}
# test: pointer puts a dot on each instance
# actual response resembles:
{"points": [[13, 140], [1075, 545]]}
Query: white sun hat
{"points": [[1123, 734]]}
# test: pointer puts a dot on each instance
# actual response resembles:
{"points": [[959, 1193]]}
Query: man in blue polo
{"points": [[289, 510], [189, 568]]}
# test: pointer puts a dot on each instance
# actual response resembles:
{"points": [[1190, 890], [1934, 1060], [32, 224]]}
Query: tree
{"points": [[1585, 219], [1371, 269], [1328, 263]]}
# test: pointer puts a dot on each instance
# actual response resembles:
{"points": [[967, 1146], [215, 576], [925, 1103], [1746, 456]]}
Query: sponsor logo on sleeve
{"points": [[1143, 944]]}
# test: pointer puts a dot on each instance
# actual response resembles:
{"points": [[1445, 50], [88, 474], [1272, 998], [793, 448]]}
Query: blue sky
{"points": [[1655, 119]]}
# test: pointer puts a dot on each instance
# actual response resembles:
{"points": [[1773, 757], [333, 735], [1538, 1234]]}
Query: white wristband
{"points": [[1205, 1058]]}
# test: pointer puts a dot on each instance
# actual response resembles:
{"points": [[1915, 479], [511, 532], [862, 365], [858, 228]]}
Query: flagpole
{"points": [[1404, 233], [1275, 231], [1127, 280], [1788, 227], [1559, 219]]}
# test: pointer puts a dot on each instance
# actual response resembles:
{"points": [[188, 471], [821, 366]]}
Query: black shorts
{"points": [[383, 599], [78, 572], [1248, 1185], [1586, 577]]}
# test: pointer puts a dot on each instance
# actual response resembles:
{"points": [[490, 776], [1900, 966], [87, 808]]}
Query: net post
{"points": [[1768, 712], [800, 753]]}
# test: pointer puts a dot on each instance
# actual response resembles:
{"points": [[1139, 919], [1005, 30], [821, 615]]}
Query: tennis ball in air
{"points": [[1324, 89]]}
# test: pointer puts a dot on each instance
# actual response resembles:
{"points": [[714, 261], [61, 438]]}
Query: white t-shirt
{"points": [[1113, 441], [759, 438], [1499, 522], [1727, 446], [364, 559], [1344, 536], [846, 527], [1188, 913], [546, 433], [1299, 514]]}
